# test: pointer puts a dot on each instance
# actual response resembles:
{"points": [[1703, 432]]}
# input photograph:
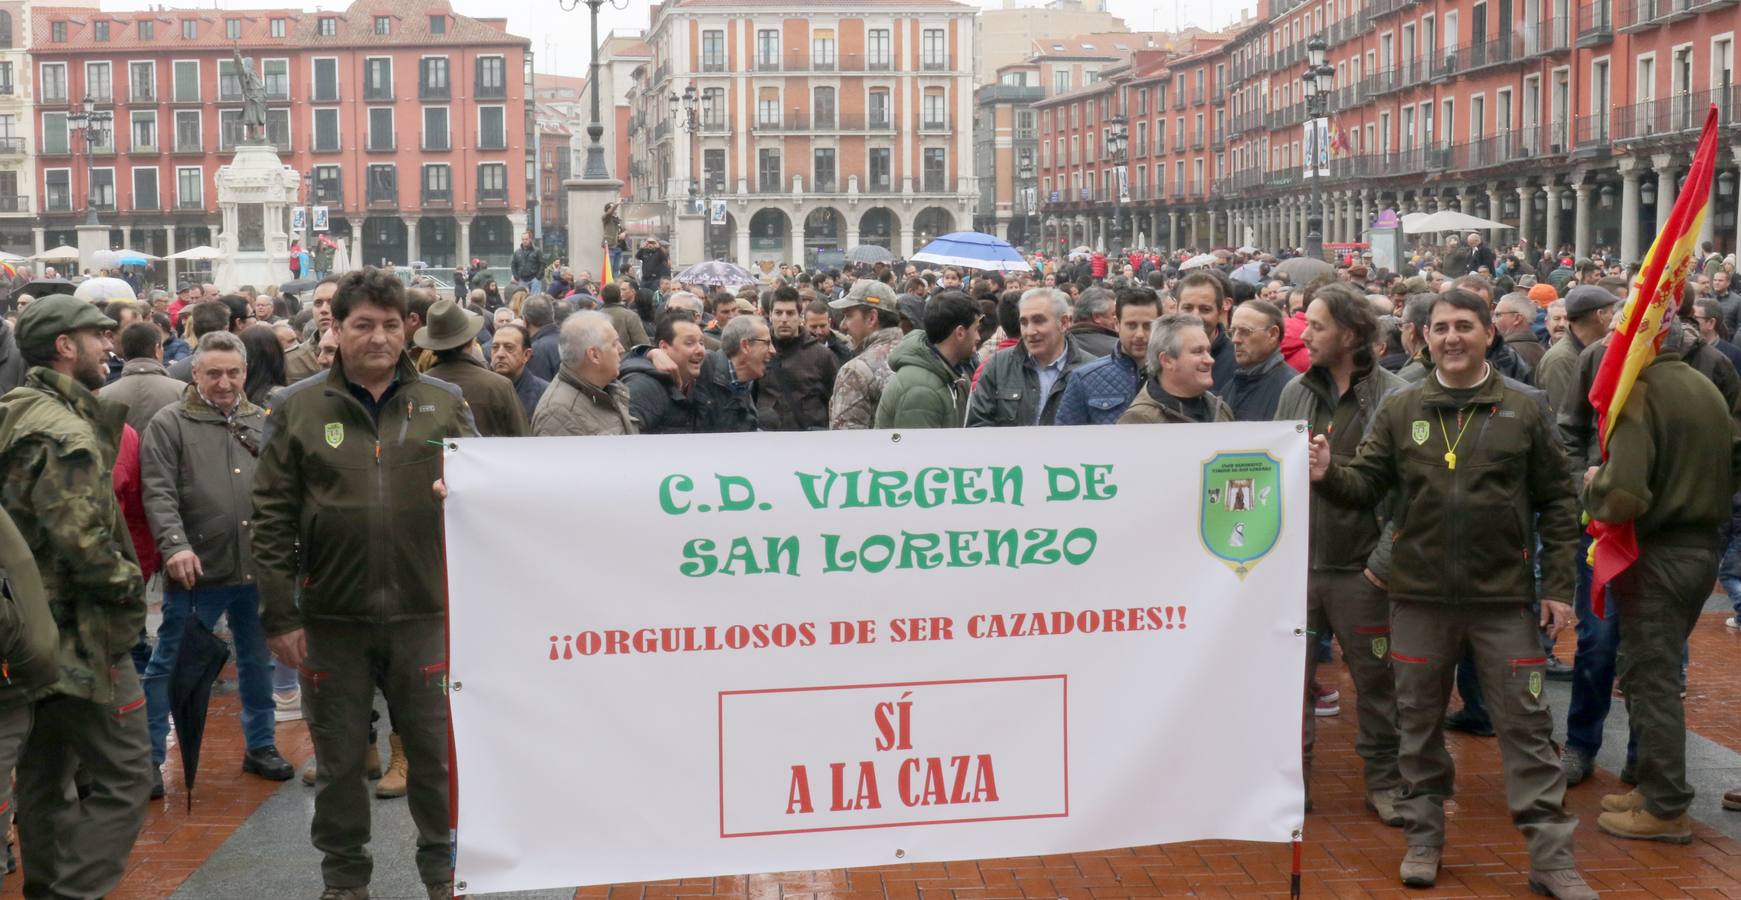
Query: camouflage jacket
{"points": [[859, 386], [57, 454]]}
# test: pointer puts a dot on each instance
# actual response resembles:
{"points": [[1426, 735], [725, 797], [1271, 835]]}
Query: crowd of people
{"points": [[275, 464]]}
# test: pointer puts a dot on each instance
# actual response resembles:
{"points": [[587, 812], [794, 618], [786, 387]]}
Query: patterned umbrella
{"points": [[869, 254], [716, 273]]}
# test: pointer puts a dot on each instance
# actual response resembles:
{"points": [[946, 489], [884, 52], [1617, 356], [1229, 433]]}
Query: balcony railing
{"points": [[802, 122], [492, 198], [1591, 135], [12, 203], [934, 64], [185, 203], [1675, 117], [434, 92], [1595, 23], [379, 198], [333, 196], [1477, 55], [492, 142], [437, 198], [11, 145], [144, 201], [1546, 36]]}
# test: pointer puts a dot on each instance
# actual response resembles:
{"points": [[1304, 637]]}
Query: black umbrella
{"points": [[41, 287], [297, 286], [198, 661]]}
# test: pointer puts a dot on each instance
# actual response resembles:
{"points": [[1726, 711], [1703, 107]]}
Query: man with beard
{"points": [[57, 447], [869, 318], [793, 395]]}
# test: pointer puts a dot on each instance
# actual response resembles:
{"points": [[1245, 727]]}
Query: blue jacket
{"points": [[1099, 392]]}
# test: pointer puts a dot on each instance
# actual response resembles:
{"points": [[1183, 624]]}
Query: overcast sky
{"points": [[560, 39]]}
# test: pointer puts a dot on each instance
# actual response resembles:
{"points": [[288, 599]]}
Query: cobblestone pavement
{"points": [[248, 838]]}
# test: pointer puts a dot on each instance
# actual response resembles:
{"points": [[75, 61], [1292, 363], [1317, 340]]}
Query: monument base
{"points": [[255, 192], [92, 238], [586, 230]]}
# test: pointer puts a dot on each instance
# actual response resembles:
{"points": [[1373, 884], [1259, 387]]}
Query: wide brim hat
{"points": [[449, 325]]}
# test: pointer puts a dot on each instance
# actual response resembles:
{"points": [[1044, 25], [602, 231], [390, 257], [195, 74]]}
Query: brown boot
{"points": [[372, 761], [392, 784], [1643, 825], [1621, 803], [1732, 799]]}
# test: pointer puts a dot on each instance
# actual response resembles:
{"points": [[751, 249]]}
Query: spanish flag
{"points": [[608, 278], [1648, 314]]}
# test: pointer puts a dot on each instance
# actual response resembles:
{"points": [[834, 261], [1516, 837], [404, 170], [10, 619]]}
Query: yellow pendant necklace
{"points": [[1451, 445]]}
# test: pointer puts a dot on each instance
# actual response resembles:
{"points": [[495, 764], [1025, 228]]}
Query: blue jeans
{"points": [[241, 605], [1593, 667], [1729, 570]]}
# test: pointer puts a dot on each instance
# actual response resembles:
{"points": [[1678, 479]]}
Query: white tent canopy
{"points": [[200, 252], [63, 252], [1449, 220]]}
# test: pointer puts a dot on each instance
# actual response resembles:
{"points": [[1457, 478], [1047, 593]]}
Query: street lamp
{"points": [[1030, 194], [1317, 89], [593, 169], [1117, 133], [94, 123], [693, 112]]}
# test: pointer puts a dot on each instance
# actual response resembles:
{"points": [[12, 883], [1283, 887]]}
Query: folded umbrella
{"points": [[198, 661]]}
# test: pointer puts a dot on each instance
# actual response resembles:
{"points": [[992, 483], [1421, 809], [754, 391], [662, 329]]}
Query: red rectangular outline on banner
{"points": [[720, 733]]}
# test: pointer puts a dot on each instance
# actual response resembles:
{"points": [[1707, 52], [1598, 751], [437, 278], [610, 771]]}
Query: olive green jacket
{"points": [[197, 472], [57, 451], [344, 505], [1343, 538], [1467, 534], [1673, 457]]}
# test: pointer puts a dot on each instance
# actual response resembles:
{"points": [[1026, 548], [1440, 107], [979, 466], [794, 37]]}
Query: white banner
{"points": [[726, 654]]}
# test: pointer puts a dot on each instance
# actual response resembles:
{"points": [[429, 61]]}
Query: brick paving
{"points": [[1347, 853]]}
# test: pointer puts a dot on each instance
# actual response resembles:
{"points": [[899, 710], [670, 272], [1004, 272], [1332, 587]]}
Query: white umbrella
{"points": [[1199, 261], [57, 254], [341, 257], [105, 259], [1449, 220], [11, 257], [94, 289], [1247, 250], [198, 253]]}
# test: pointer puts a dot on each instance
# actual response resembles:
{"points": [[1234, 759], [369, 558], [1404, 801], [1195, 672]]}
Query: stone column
{"points": [[170, 265], [38, 234], [1666, 170], [1552, 241], [1629, 208], [462, 246], [1495, 209], [1581, 225], [1214, 232], [1172, 231], [1708, 227], [1526, 214], [411, 238], [906, 251], [795, 249], [743, 251]]}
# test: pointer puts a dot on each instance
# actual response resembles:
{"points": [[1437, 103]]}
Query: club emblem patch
{"points": [[335, 434], [1420, 431], [1535, 684], [1380, 646]]}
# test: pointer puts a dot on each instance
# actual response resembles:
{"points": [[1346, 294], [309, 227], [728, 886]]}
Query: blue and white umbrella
{"points": [[716, 273], [973, 250], [133, 258]]}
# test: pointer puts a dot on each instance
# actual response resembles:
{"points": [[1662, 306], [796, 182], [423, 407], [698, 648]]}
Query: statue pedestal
{"points": [[92, 238], [255, 194], [586, 230]]}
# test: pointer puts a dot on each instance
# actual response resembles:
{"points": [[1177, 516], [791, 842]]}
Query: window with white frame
{"points": [[326, 130], [53, 87], [190, 187]]}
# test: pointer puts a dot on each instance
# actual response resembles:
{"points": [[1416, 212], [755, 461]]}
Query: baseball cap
{"points": [[866, 292]]}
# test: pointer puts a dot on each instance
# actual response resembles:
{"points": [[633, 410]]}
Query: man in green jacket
{"points": [[57, 449], [930, 387], [1673, 462], [27, 645], [1473, 459], [347, 506], [1350, 551]]}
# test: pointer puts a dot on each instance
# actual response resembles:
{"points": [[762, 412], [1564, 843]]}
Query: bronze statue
{"points": [[253, 101]]}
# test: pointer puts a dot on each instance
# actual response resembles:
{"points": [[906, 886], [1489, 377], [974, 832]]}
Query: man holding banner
{"points": [[1481, 476]]}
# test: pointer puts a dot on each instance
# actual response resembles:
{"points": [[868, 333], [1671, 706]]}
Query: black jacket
{"points": [[710, 406], [793, 395], [1253, 393], [527, 264], [655, 264], [1221, 347], [546, 353]]}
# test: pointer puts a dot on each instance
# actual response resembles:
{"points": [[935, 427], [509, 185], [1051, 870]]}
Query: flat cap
{"points": [[1587, 298], [50, 317]]}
